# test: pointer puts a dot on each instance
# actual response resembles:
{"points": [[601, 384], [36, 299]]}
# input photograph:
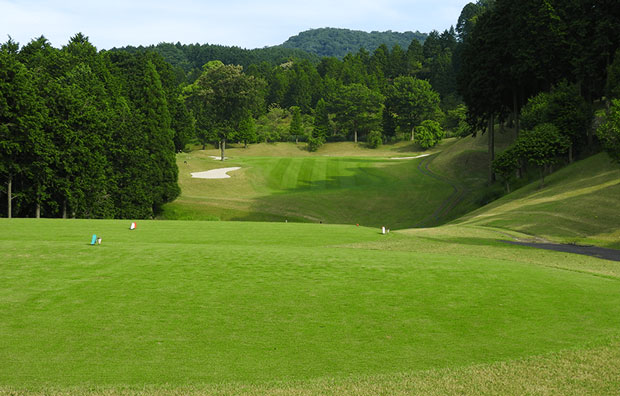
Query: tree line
{"points": [[386, 94], [542, 67], [87, 134], [94, 134]]}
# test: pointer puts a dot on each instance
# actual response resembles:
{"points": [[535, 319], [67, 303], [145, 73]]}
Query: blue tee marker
{"points": [[94, 240]]}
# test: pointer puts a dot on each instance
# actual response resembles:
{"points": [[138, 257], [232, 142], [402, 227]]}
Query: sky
{"points": [[242, 23]]}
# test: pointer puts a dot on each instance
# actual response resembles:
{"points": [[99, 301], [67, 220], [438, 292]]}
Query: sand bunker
{"points": [[403, 158], [217, 158], [220, 173]]}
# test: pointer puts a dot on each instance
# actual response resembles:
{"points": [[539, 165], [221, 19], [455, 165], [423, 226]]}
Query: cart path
{"points": [[592, 251]]}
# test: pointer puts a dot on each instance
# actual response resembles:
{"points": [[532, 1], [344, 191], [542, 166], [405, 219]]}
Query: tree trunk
{"points": [[64, 209], [245, 144], [491, 137], [223, 148], [515, 110], [412, 133], [38, 211], [355, 136], [507, 187], [9, 194]]}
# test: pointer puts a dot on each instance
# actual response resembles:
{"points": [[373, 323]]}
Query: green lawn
{"points": [[274, 307], [371, 191]]}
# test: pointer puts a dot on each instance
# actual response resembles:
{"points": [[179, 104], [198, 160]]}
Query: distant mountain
{"points": [[191, 57], [339, 42]]}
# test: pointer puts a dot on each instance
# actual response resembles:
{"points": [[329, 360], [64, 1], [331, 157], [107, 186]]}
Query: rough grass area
{"points": [[589, 372], [275, 308], [579, 203]]}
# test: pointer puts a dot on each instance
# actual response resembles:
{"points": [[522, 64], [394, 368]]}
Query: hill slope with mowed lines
{"points": [[578, 204]]}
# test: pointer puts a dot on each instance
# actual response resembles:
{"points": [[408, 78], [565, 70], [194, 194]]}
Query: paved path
{"points": [[592, 251]]}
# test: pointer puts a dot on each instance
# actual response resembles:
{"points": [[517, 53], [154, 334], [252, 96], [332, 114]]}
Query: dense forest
{"points": [[332, 42], [85, 133], [187, 60], [93, 134]]}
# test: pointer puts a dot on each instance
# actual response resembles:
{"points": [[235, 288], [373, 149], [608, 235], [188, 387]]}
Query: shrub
{"points": [[315, 143], [429, 134], [374, 139]]}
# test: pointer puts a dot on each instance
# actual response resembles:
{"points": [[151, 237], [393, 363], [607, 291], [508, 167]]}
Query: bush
{"points": [[374, 139], [315, 143], [429, 134]]}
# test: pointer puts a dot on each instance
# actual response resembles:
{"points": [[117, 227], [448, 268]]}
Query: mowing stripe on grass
{"points": [[347, 173], [277, 172], [290, 178], [319, 174], [333, 173], [304, 180]]}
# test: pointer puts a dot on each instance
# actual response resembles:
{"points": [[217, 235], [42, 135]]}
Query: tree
{"points": [[296, 128], [612, 86], [388, 123], [20, 120], [227, 96], [429, 134], [247, 131], [609, 132], [322, 125], [542, 146], [506, 164], [563, 107], [412, 101], [357, 109]]}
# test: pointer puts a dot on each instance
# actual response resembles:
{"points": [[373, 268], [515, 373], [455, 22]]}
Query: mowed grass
{"points": [[263, 308], [370, 191], [579, 203]]}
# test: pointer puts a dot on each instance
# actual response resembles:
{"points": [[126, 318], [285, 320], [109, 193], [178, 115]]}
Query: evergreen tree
{"points": [[20, 124], [322, 126], [296, 128]]}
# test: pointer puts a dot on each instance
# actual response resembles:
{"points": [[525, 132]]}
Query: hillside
{"points": [[339, 42], [579, 203]]}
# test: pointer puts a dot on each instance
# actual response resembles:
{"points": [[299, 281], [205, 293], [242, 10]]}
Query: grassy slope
{"points": [[579, 203], [342, 183], [189, 305]]}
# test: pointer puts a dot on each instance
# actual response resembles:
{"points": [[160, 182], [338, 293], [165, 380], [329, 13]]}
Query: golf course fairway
{"points": [[290, 308]]}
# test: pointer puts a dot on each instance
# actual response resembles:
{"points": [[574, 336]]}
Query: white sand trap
{"points": [[217, 158], [220, 173], [417, 156]]}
